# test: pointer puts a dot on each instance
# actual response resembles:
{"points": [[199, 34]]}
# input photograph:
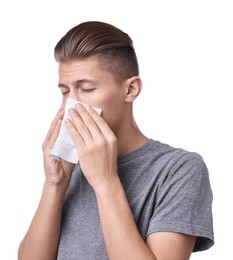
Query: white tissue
{"points": [[64, 147]]}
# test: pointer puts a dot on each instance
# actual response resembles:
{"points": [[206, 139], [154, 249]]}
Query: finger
{"points": [[88, 121], [49, 144], [99, 121], [53, 125], [76, 137], [81, 127]]}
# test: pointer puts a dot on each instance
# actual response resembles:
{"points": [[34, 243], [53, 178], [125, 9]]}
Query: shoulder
{"points": [[190, 164], [180, 158], [176, 158]]}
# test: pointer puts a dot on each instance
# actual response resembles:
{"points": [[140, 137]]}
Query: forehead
{"points": [[88, 67], [85, 70]]}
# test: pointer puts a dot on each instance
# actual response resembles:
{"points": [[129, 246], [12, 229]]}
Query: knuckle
{"points": [[81, 128], [101, 142], [43, 146], [112, 139]]}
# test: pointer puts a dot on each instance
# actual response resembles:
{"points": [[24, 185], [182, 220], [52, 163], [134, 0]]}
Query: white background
{"points": [[186, 63]]}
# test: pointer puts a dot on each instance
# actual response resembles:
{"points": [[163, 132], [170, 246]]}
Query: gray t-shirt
{"points": [[168, 190]]}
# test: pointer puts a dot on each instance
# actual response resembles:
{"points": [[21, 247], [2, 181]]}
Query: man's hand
{"points": [[57, 172], [42, 238], [96, 145]]}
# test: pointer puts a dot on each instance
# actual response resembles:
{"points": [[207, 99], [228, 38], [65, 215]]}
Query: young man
{"points": [[129, 197]]}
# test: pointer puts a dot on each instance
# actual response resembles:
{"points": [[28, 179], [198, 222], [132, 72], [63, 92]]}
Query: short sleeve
{"points": [[184, 202]]}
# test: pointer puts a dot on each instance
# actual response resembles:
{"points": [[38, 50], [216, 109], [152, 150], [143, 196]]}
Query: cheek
{"points": [[112, 113]]}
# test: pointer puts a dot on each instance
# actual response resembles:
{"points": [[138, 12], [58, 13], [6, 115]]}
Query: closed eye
{"points": [[88, 89], [65, 93]]}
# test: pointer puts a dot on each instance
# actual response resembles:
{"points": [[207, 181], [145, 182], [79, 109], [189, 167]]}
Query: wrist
{"points": [[108, 187], [56, 189]]}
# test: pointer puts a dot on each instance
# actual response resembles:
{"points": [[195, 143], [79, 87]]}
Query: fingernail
{"points": [[67, 121], [71, 110], [78, 105]]}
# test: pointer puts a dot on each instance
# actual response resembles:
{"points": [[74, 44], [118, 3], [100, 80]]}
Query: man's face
{"points": [[88, 82]]}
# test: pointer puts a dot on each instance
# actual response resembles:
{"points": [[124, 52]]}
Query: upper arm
{"points": [[183, 205], [171, 246]]}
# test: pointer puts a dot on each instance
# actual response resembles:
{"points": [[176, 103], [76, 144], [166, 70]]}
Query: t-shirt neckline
{"points": [[136, 153]]}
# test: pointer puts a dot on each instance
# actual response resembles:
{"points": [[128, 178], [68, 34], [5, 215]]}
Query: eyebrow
{"points": [[77, 83]]}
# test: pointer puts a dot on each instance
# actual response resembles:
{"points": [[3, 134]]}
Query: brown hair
{"points": [[112, 46]]}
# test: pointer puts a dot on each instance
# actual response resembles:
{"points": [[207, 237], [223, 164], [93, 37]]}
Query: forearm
{"points": [[41, 240], [121, 236]]}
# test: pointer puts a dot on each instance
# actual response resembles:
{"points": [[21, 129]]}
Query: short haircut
{"points": [[113, 47]]}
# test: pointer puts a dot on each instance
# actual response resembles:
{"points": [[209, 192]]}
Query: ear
{"points": [[133, 88]]}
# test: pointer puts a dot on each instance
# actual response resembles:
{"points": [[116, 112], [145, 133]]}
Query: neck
{"points": [[129, 138]]}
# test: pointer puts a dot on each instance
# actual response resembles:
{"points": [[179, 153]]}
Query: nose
{"points": [[73, 94], [70, 94]]}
